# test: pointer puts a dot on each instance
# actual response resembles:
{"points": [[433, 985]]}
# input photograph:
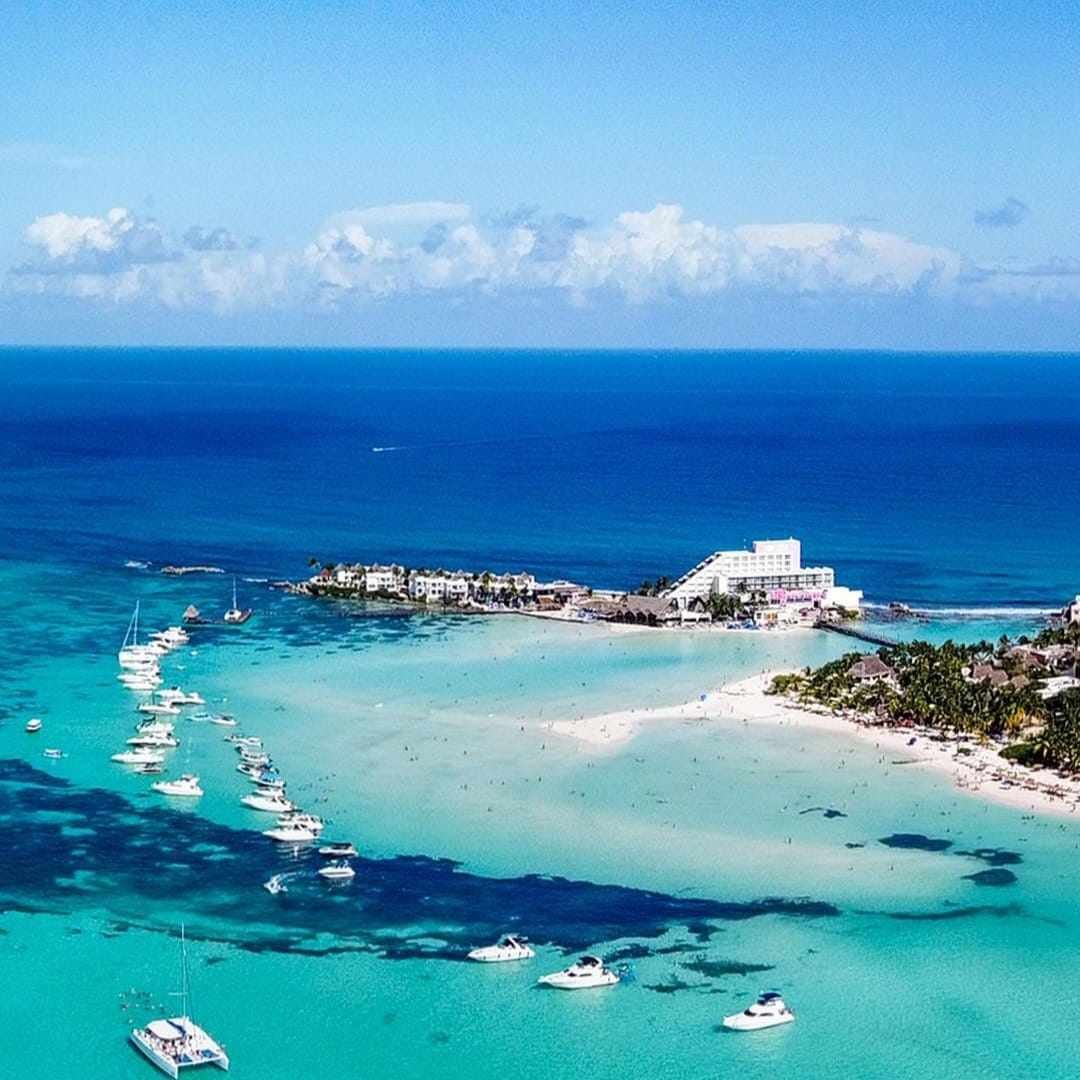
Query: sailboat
{"points": [[234, 614], [132, 654], [178, 1042]]}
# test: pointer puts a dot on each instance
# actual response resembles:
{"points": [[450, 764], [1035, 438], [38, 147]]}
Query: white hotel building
{"points": [[770, 566]]}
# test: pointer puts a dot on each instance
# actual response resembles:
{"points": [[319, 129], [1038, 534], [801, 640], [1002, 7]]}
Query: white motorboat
{"points": [[587, 973], [144, 756], [33, 725], [154, 738], [251, 741], [337, 851], [768, 1011], [224, 720], [142, 686], [158, 708], [53, 754], [171, 635], [254, 757], [186, 787], [276, 885], [507, 948], [150, 768], [290, 834], [337, 871], [268, 804], [178, 1042]]}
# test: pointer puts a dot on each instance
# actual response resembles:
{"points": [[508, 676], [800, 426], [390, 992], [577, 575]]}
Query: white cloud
{"points": [[402, 214], [651, 256]]}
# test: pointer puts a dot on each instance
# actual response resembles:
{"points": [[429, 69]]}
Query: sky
{"points": [[893, 175]]}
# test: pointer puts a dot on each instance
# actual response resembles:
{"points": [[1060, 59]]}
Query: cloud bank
{"points": [[641, 259]]}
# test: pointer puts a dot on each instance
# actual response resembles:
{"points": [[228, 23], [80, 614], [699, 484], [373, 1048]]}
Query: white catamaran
{"points": [[178, 1042]]}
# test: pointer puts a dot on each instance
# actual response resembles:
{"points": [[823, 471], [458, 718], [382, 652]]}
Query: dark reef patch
{"points": [[996, 875], [134, 859], [824, 811], [715, 969], [1006, 911], [993, 856], [915, 842]]}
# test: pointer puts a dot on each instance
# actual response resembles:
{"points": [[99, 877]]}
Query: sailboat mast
{"points": [[234, 592], [184, 991]]}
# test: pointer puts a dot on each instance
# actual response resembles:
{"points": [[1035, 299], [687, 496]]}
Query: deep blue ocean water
{"points": [[946, 479]]}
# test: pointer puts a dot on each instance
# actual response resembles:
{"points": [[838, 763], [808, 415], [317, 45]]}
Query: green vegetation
{"points": [[982, 690]]}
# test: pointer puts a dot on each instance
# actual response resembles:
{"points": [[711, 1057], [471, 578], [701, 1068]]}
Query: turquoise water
{"points": [[699, 854]]}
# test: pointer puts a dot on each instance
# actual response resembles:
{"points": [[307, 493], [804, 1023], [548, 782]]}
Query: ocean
{"points": [[698, 857]]}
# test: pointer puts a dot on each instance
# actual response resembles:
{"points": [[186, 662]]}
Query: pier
{"points": [[855, 632]]}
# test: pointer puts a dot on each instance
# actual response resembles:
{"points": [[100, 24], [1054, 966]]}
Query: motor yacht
{"points": [[268, 804], [768, 1011], [587, 973], [150, 768], [142, 686], [337, 851], [155, 726], [305, 821], [507, 948], [268, 781], [158, 708], [154, 738], [290, 834], [224, 720], [178, 1042], [53, 754], [33, 725], [186, 787], [171, 635], [252, 741], [337, 871], [257, 758], [175, 696], [143, 756]]}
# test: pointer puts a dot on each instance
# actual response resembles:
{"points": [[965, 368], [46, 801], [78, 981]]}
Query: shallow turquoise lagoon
{"points": [[699, 855]]}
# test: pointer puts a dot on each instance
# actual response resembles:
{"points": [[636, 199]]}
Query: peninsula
{"points": [[765, 586]]}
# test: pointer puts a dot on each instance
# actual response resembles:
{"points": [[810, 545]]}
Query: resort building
{"points": [[439, 586], [772, 567]]}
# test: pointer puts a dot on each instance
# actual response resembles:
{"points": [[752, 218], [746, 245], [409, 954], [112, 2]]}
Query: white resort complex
{"points": [[773, 567], [766, 586]]}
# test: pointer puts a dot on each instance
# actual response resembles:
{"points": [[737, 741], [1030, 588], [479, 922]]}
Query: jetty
{"points": [[854, 632]]}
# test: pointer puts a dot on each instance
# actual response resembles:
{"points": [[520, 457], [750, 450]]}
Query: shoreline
{"points": [[978, 770]]}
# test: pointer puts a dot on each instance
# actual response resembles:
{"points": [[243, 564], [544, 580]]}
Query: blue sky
{"points": [[693, 174]]}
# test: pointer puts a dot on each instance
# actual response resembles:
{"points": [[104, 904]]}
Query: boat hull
{"points": [[742, 1022]]}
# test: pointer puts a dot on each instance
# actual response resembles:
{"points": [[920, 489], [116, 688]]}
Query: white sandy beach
{"points": [[974, 768]]}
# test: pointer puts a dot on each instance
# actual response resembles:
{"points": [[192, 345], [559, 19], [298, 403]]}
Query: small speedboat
{"points": [[337, 851], [224, 721], [155, 727], [186, 787], [33, 725], [276, 885], [290, 834], [175, 696], [589, 972], [252, 741], [142, 756], [149, 768], [53, 754], [337, 871], [254, 757], [768, 1011], [268, 804], [268, 781], [506, 949]]}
